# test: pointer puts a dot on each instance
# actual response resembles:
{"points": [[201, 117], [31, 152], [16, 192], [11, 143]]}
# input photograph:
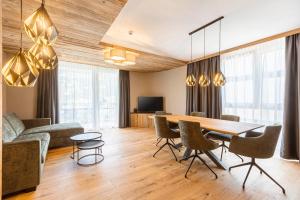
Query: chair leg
{"points": [[226, 147], [172, 151], [158, 141], [261, 170], [174, 146], [240, 165], [160, 148], [222, 149], [189, 167], [185, 159], [247, 175], [203, 161]]}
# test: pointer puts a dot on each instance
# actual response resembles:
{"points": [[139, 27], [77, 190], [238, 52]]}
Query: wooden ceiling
{"points": [[81, 27]]}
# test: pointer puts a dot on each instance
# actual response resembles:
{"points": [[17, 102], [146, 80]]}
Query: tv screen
{"points": [[150, 104]]}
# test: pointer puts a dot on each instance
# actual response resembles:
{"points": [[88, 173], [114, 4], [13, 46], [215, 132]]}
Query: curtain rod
{"points": [[206, 25]]}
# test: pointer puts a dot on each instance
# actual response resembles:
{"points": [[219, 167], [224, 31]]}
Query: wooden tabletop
{"points": [[222, 126]]}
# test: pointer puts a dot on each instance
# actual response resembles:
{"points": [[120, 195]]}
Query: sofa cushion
{"points": [[15, 123], [56, 130], [43, 137], [9, 133]]}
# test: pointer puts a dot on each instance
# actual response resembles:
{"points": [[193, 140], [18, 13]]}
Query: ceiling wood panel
{"points": [[148, 61], [81, 27]]}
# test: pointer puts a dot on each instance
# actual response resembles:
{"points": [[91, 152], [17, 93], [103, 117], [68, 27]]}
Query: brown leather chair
{"points": [[256, 145], [198, 114], [163, 131], [224, 137], [192, 138]]}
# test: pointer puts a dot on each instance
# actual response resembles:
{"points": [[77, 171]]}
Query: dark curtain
{"points": [[124, 99], [291, 118], [204, 99], [47, 95]]}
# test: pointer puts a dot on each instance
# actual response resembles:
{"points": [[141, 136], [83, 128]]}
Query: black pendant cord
{"points": [[191, 48], [21, 22], [220, 28], [204, 44], [43, 2]]}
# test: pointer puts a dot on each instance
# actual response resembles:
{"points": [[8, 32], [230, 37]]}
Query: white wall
{"points": [[170, 84]]}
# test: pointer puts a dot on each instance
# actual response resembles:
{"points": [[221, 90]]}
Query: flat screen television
{"points": [[150, 104]]}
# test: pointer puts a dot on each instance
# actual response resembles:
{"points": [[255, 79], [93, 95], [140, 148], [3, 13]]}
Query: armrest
{"points": [[32, 123], [255, 147], [21, 165]]}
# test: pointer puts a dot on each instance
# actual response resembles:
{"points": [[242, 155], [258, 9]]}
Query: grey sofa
{"points": [[25, 147]]}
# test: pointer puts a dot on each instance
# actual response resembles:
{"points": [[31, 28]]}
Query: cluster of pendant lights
{"points": [[119, 57], [22, 70], [218, 80]]}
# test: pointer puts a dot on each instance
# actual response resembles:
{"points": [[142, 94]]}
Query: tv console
{"points": [[141, 120]]}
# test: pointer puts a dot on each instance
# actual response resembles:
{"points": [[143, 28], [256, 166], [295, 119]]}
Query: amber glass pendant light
{"points": [[39, 26], [21, 70]]}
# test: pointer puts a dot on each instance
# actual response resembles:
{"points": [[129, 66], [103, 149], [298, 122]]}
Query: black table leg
{"points": [[215, 159], [210, 154]]}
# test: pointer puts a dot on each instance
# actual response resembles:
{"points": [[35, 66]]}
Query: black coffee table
{"points": [[88, 141]]}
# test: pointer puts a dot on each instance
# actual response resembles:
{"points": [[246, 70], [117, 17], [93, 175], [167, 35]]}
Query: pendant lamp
{"points": [[45, 54], [219, 78], [21, 70], [203, 79], [39, 26], [190, 79]]}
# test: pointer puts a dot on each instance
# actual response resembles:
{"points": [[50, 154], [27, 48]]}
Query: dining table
{"points": [[217, 125]]}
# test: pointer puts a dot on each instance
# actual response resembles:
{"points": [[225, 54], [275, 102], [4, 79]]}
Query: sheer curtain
{"points": [[88, 95], [255, 82]]}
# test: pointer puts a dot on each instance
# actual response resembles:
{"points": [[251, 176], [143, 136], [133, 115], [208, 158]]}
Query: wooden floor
{"points": [[130, 172]]}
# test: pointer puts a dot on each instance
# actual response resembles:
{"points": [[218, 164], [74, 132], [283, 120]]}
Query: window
{"points": [[255, 82], [88, 95]]}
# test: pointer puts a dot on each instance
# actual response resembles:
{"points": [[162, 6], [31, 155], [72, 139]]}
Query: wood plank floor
{"points": [[130, 172]]}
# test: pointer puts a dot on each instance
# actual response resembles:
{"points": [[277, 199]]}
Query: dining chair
{"points": [[198, 114], [163, 131], [256, 145], [224, 137], [192, 138], [170, 124]]}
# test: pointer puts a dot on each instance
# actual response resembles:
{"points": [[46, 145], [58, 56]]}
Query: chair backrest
{"points": [[192, 137], [198, 114], [269, 140], [161, 127], [230, 118]]}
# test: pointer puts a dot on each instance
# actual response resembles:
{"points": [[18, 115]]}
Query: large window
{"points": [[88, 95], [255, 82]]}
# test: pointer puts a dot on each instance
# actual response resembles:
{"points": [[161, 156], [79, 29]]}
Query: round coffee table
{"points": [[90, 145], [87, 141]]}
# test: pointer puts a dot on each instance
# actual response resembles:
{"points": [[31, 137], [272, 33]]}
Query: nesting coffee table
{"points": [[88, 141]]}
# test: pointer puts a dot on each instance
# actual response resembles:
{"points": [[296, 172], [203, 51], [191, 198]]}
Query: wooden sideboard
{"points": [[141, 120]]}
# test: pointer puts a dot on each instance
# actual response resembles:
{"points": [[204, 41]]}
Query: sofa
{"points": [[25, 147]]}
